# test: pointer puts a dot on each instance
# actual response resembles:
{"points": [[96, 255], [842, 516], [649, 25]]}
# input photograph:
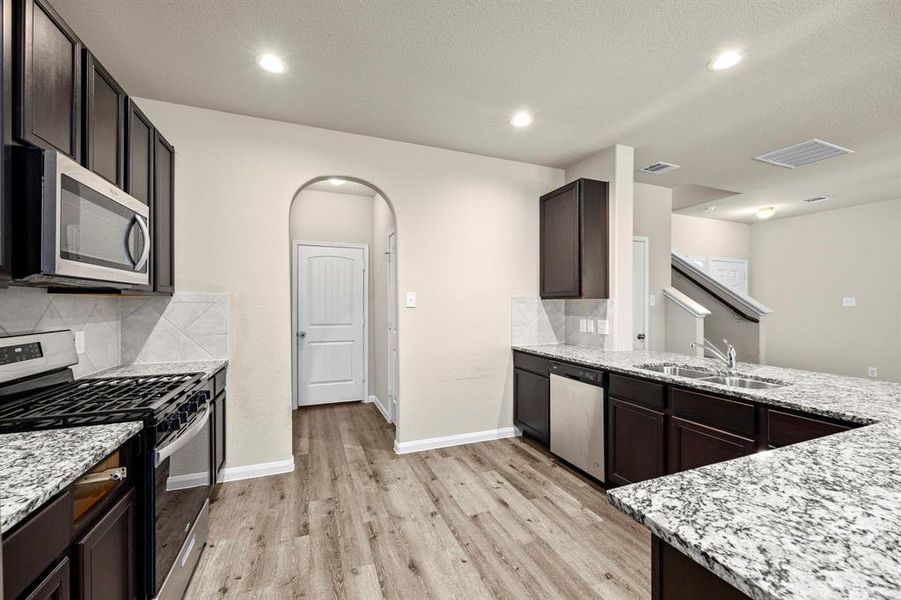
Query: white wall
{"points": [[653, 211], [318, 216], [382, 223], [697, 236], [803, 266], [467, 233]]}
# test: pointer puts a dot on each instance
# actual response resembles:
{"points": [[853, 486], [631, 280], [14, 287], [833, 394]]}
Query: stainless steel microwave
{"points": [[74, 227]]}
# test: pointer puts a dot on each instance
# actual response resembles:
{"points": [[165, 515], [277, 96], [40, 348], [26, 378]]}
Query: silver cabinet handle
{"points": [[117, 474], [145, 253]]}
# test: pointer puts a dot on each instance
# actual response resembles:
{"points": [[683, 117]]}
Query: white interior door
{"points": [[331, 311], [731, 272], [392, 326], [640, 293]]}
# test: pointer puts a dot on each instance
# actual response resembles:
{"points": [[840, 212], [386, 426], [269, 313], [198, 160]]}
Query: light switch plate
{"points": [[590, 325], [652, 300], [79, 342], [872, 372], [410, 300], [603, 327], [849, 301]]}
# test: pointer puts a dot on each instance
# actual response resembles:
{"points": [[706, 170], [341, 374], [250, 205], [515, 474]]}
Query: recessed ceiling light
{"points": [[726, 60], [521, 119], [709, 208], [765, 212], [336, 181], [272, 63]]}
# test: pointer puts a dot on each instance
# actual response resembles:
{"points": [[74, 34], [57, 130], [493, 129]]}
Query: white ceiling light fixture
{"points": [[272, 63], [726, 60], [521, 119], [336, 181], [816, 199], [766, 212]]}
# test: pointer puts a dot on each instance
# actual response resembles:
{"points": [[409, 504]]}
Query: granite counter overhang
{"points": [[207, 367], [820, 519], [37, 465]]}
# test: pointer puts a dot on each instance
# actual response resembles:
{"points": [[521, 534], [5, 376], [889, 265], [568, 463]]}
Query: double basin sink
{"points": [[729, 380]]}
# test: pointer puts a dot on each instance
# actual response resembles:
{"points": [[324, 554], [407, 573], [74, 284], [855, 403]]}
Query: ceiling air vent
{"points": [[805, 153], [659, 168], [816, 199]]}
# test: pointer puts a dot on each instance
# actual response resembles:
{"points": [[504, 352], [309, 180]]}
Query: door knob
{"points": [[641, 336], [301, 334]]}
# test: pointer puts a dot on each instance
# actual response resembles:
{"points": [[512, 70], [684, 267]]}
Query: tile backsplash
{"points": [[121, 330], [538, 321]]}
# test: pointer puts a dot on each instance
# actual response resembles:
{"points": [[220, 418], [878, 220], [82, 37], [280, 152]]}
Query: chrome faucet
{"points": [[728, 357]]}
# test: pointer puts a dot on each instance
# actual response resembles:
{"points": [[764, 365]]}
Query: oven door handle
{"points": [[145, 251], [183, 438]]}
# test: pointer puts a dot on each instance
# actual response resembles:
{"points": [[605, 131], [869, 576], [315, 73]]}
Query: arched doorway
{"points": [[343, 235]]}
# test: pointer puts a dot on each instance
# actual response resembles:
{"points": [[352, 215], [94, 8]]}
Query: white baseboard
{"points": [[455, 440], [378, 404], [258, 470]]}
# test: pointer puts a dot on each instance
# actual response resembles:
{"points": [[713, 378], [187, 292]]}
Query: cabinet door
{"points": [[531, 404], [106, 555], [693, 445], [560, 260], [104, 122], [139, 155], [637, 442], [163, 215], [219, 441], [55, 586], [48, 80], [785, 428]]}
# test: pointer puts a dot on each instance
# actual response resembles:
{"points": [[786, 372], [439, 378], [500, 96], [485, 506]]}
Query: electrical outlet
{"points": [[872, 372], [79, 342], [849, 301], [410, 300], [590, 325], [583, 326], [603, 327], [652, 300]]}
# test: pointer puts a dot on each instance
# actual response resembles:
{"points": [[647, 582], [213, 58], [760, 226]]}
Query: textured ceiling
{"points": [[450, 74]]}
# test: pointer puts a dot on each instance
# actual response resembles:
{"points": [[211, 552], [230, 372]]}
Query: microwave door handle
{"points": [[145, 252], [183, 438]]}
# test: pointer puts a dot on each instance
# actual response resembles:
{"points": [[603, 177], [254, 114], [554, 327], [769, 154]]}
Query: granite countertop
{"points": [[207, 367], [37, 465], [820, 519]]}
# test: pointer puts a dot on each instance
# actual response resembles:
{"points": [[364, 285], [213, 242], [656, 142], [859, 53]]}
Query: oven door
{"points": [[92, 229], [182, 485]]}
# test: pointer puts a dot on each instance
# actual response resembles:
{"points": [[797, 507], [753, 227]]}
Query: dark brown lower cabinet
{"points": [[674, 576], [637, 446], [55, 585], [784, 428], [532, 405], [106, 555], [692, 445]]}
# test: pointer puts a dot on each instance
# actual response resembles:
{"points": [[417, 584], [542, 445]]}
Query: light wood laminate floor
{"points": [[496, 519]]}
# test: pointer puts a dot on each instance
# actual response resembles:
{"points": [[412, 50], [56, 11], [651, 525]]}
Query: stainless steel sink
{"points": [[744, 382], [678, 370]]}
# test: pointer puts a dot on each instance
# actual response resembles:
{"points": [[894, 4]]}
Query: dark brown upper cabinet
{"points": [[574, 241], [48, 113], [163, 213], [139, 144], [104, 122]]}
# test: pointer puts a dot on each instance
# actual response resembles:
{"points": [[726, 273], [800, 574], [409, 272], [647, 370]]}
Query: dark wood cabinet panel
{"points": [[163, 215], [529, 362], [784, 428], [56, 585], [717, 411], [531, 405], [674, 576], [693, 445], [636, 448], [106, 555], [104, 122], [49, 80], [636, 390], [574, 241], [138, 154]]}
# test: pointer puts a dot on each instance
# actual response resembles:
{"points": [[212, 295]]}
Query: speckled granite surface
{"points": [[207, 367], [37, 465], [817, 520]]}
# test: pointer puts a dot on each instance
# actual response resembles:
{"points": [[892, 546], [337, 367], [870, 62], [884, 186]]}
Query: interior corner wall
{"points": [[615, 165], [382, 223], [467, 241], [802, 267], [653, 208]]}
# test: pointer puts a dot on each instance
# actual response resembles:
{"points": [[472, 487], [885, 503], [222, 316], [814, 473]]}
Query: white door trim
{"points": [[392, 306], [295, 308], [647, 289]]}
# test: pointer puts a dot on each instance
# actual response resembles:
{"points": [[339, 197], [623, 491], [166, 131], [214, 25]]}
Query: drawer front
{"points": [[529, 362], [713, 410], [692, 445], [785, 428], [36, 544], [219, 382], [637, 390]]}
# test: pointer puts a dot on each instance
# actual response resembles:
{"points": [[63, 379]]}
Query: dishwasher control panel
{"points": [[578, 373]]}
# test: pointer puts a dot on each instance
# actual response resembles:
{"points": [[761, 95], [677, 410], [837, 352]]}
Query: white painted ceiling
{"points": [[594, 73]]}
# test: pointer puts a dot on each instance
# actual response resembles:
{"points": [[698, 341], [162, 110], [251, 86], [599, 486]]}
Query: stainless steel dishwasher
{"points": [[577, 418]]}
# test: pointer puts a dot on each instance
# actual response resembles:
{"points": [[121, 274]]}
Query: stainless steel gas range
{"points": [[38, 391]]}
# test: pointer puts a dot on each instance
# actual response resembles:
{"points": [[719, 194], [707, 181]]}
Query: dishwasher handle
{"points": [[589, 376]]}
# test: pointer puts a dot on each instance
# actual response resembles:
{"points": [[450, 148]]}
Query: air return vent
{"points": [[659, 168], [805, 153], [816, 199]]}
